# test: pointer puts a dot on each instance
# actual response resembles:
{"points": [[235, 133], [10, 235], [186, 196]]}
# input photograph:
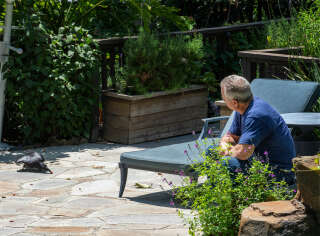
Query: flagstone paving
{"points": [[81, 196]]}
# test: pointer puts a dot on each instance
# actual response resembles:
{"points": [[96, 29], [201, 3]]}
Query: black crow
{"points": [[33, 161]]}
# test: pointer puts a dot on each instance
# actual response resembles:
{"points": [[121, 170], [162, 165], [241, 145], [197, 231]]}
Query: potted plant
{"points": [[307, 169], [158, 92]]}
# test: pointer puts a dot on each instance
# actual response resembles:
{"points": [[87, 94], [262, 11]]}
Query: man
{"points": [[257, 129]]}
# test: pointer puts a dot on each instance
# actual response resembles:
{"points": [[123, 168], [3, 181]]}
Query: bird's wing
{"points": [[25, 159], [31, 158]]}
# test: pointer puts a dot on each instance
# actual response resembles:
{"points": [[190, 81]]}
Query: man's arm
{"points": [[226, 143], [242, 151]]}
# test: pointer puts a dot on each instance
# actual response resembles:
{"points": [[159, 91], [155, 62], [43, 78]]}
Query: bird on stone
{"points": [[33, 160]]}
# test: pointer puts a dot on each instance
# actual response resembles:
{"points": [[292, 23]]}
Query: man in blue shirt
{"points": [[257, 129]]}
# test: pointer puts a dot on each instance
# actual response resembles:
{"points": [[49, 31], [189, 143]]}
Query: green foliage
{"points": [[302, 31], [155, 16], [317, 161], [221, 55], [154, 64], [50, 87], [217, 203], [103, 18], [210, 13]]}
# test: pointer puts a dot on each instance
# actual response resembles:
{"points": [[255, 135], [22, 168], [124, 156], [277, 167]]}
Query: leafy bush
{"points": [[154, 64], [217, 203], [50, 87], [103, 18]]}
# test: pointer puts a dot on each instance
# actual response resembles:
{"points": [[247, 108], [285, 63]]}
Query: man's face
{"points": [[231, 104]]}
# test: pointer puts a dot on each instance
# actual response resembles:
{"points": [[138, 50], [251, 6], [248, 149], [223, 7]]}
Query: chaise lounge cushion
{"points": [[167, 159]]}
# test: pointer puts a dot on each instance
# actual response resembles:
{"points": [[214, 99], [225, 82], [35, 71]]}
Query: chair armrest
{"points": [[210, 120]]}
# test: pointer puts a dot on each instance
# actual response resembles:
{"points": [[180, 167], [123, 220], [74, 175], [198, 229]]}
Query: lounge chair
{"points": [[285, 96]]}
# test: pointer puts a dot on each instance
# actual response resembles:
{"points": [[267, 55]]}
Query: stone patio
{"points": [[81, 196]]}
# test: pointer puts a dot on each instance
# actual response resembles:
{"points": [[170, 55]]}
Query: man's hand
{"points": [[229, 147], [229, 138], [225, 148], [227, 142]]}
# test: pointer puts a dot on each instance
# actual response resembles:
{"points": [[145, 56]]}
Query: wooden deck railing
{"points": [[114, 45], [273, 63]]}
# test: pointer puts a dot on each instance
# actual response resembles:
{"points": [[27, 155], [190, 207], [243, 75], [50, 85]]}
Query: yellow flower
{"points": [[268, 38]]}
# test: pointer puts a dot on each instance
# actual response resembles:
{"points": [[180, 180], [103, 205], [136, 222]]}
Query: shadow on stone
{"points": [[33, 170], [162, 198]]}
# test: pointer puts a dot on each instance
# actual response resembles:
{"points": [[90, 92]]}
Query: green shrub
{"points": [[50, 88], [103, 18], [154, 64], [217, 203]]}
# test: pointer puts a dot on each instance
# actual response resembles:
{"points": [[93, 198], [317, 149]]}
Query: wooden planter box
{"points": [[308, 182], [140, 118], [270, 63]]}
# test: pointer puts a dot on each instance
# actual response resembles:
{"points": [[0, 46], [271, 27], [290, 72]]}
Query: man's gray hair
{"points": [[236, 87]]}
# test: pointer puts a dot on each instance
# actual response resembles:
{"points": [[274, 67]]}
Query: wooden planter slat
{"points": [[159, 118], [133, 119]]}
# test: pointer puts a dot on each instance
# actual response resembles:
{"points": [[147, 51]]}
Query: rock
{"points": [[277, 218], [308, 179]]}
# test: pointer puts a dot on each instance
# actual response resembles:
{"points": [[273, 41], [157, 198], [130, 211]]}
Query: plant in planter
{"points": [[156, 93], [154, 64]]}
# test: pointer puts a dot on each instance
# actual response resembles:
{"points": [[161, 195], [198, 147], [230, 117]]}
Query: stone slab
{"points": [[138, 209], [79, 157], [90, 203], [6, 231], [62, 230], [276, 208], [19, 198], [67, 212], [153, 219], [21, 177], [108, 167], [53, 200], [79, 173], [152, 232], [48, 184], [21, 208], [18, 221], [94, 187], [7, 187], [73, 222]]}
